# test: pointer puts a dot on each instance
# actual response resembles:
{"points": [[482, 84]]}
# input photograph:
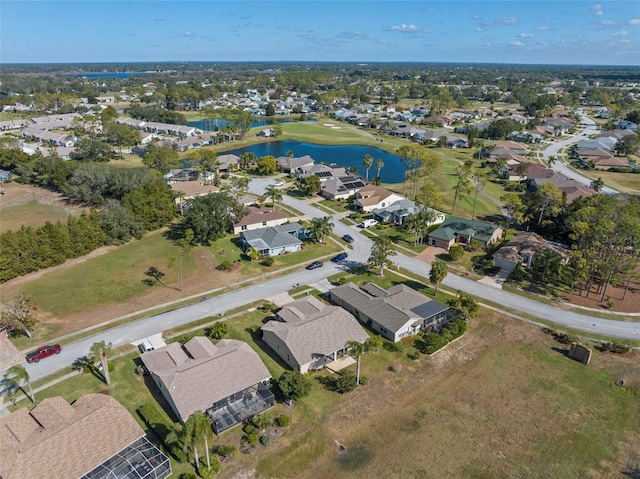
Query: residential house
{"points": [[308, 334], [257, 218], [187, 190], [227, 162], [267, 132], [570, 187], [625, 125], [373, 197], [461, 230], [323, 172], [13, 124], [9, 354], [400, 211], [274, 240], [46, 136], [395, 313], [227, 380], [94, 437], [341, 188], [287, 164], [523, 249]]}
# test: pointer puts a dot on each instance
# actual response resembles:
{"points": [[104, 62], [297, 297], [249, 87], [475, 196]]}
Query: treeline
{"points": [[130, 201], [152, 113], [32, 249]]}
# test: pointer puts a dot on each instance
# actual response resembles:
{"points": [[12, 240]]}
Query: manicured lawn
{"points": [[399, 237], [338, 206]]}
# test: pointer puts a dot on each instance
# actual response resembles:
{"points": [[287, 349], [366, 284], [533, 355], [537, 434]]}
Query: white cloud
{"points": [[526, 35], [507, 21], [620, 33], [608, 22], [189, 34], [405, 28], [517, 44], [634, 21], [597, 10], [543, 28]]}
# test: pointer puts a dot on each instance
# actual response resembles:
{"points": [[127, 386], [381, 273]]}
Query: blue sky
{"points": [[533, 32]]}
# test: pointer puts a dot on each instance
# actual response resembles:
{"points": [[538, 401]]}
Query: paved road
{"points": [[218, 305], [552, 150]]}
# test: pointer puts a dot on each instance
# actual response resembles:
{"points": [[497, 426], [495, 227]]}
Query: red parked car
{"points": [[43, 352]]}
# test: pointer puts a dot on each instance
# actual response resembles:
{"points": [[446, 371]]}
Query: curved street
{"points": [[552, 150], [218, 305]]}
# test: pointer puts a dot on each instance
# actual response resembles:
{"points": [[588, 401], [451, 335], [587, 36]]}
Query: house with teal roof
{"points": [[461, 230]]}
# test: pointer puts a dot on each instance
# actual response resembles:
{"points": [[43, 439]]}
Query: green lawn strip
{"points": [[33, 213], [402, 240], [335, 206]]}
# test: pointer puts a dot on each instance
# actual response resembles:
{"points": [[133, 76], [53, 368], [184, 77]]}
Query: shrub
{"points": [[249, 428], [364, 380], [265, 440], [392, 347], [262, 421], [226, 450], [226, 265], [209, 472], [413, 355], [616, 347], [283, 421], [456, 252], [293, 385], [565, 338], [345, 383], [188, 475], [217, 331], [268, 261], [250, 439]]}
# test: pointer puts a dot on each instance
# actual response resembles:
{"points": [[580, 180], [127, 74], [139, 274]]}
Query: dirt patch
{"points": [[592, 299]]}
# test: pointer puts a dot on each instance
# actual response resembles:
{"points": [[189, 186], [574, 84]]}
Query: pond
{"points": [[345, 155]]}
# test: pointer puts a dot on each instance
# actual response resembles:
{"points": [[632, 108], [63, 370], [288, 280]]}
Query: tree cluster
{"points": [[31, 249]]}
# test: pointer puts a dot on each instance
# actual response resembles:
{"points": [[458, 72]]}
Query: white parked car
{"points": [[279, 183]]}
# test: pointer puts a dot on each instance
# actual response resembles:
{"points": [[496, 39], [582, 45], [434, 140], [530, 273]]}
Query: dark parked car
{"points": [[43, 352], [340, 257], [348, 238], [314, 265]]}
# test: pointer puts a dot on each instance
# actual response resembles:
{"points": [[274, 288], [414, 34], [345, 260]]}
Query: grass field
{"points": [[31, 206]]}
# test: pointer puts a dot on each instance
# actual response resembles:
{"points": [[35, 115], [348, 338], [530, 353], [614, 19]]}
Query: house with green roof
{"points": [[461, 230]]}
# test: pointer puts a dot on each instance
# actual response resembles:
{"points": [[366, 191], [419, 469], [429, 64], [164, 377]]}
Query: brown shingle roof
{"points": [[260, 215], [320, 331], [9, 354], [200, 373], [70, 441]]}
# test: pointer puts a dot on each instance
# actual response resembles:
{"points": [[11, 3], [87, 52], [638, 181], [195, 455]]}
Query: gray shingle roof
{"points": [[273, 237], [392, 308], [200, 373], [311, 328]]}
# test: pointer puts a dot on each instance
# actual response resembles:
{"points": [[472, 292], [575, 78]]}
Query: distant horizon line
{"points": [[358, 62]]}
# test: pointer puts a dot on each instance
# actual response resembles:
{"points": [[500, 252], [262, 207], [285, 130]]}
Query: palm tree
{"points": [[462, 186], [321, 227], [196, 431], [367, 161], [438, 272], [479, 179], [356, 349], [379, 164], [15, 376], [100, 352], [274, 194]]}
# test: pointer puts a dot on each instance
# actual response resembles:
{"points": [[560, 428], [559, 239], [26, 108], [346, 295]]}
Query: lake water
{"points": [[346, 156]]}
